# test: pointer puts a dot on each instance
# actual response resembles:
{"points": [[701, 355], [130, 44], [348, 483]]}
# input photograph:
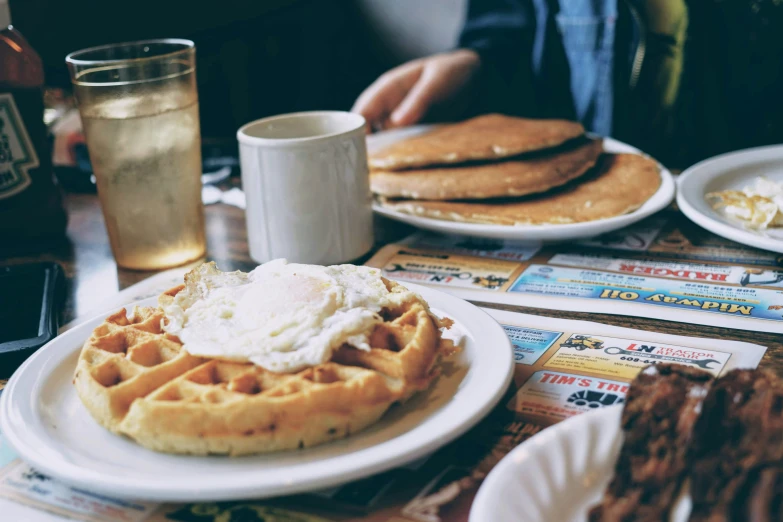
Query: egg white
{"points": [[283, 317]]}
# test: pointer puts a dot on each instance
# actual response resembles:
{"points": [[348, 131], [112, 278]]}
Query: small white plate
{"points": [[44, 421], [662, 197], [558, 474], [732, 171]]}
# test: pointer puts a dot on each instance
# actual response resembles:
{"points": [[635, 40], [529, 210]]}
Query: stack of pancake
{"points": [[510, 171]]}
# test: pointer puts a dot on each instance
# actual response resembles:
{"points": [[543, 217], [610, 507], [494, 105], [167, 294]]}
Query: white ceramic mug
{"points": [[307, 186]]}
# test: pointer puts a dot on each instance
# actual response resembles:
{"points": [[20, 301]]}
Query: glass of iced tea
{"points": [[139, 109]]}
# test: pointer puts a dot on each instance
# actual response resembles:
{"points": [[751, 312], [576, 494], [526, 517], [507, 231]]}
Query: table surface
{"points": [[93, 276]]}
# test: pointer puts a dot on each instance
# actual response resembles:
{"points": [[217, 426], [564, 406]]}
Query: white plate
{"points": [[558, 474], [662, 197], [42, 418], [731, 171]]}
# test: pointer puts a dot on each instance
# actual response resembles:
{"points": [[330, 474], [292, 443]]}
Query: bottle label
{"points": [[17, 154]]}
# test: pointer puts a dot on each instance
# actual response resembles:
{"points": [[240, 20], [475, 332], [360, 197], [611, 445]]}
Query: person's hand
{"points": [[403, 95]]}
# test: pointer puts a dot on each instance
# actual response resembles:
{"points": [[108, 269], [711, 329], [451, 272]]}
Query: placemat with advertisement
{"points": [[563, 368], [654, 269]]}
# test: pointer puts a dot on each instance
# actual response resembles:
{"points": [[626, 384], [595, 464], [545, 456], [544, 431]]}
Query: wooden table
{"points": [[93, 276]]}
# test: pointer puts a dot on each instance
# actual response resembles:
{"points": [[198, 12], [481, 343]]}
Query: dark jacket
{"points": [[681, 79]]}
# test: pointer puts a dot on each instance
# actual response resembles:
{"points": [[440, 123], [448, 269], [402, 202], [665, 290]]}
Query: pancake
{"points": [[485, 137], [621, 183], [538, 172]]}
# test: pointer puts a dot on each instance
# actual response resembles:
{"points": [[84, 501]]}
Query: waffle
{"points": [[137, 380]]}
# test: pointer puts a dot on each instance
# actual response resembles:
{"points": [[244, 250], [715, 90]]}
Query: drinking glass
{"points": [[139, 109]]}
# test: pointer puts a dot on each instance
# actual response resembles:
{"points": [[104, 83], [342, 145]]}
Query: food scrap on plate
{"points": [[758, 206]]}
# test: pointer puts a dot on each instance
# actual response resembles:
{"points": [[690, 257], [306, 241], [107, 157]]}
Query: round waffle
{"points": [[137, 380]]}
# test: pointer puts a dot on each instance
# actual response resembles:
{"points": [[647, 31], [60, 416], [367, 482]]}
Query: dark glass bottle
{"points": [[31, 206]]}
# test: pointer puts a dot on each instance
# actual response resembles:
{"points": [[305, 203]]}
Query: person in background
{"points": [[681, 79]]}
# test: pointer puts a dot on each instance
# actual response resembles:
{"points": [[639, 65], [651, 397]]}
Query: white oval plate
{"points": [[731, 171], [44, 421], [558, 474], [662, 197]]}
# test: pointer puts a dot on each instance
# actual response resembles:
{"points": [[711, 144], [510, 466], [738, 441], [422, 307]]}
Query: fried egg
{"points": [[758, 206], [281, 316]]}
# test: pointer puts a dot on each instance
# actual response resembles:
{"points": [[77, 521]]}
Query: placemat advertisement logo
{"points": [[644, 273]]}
